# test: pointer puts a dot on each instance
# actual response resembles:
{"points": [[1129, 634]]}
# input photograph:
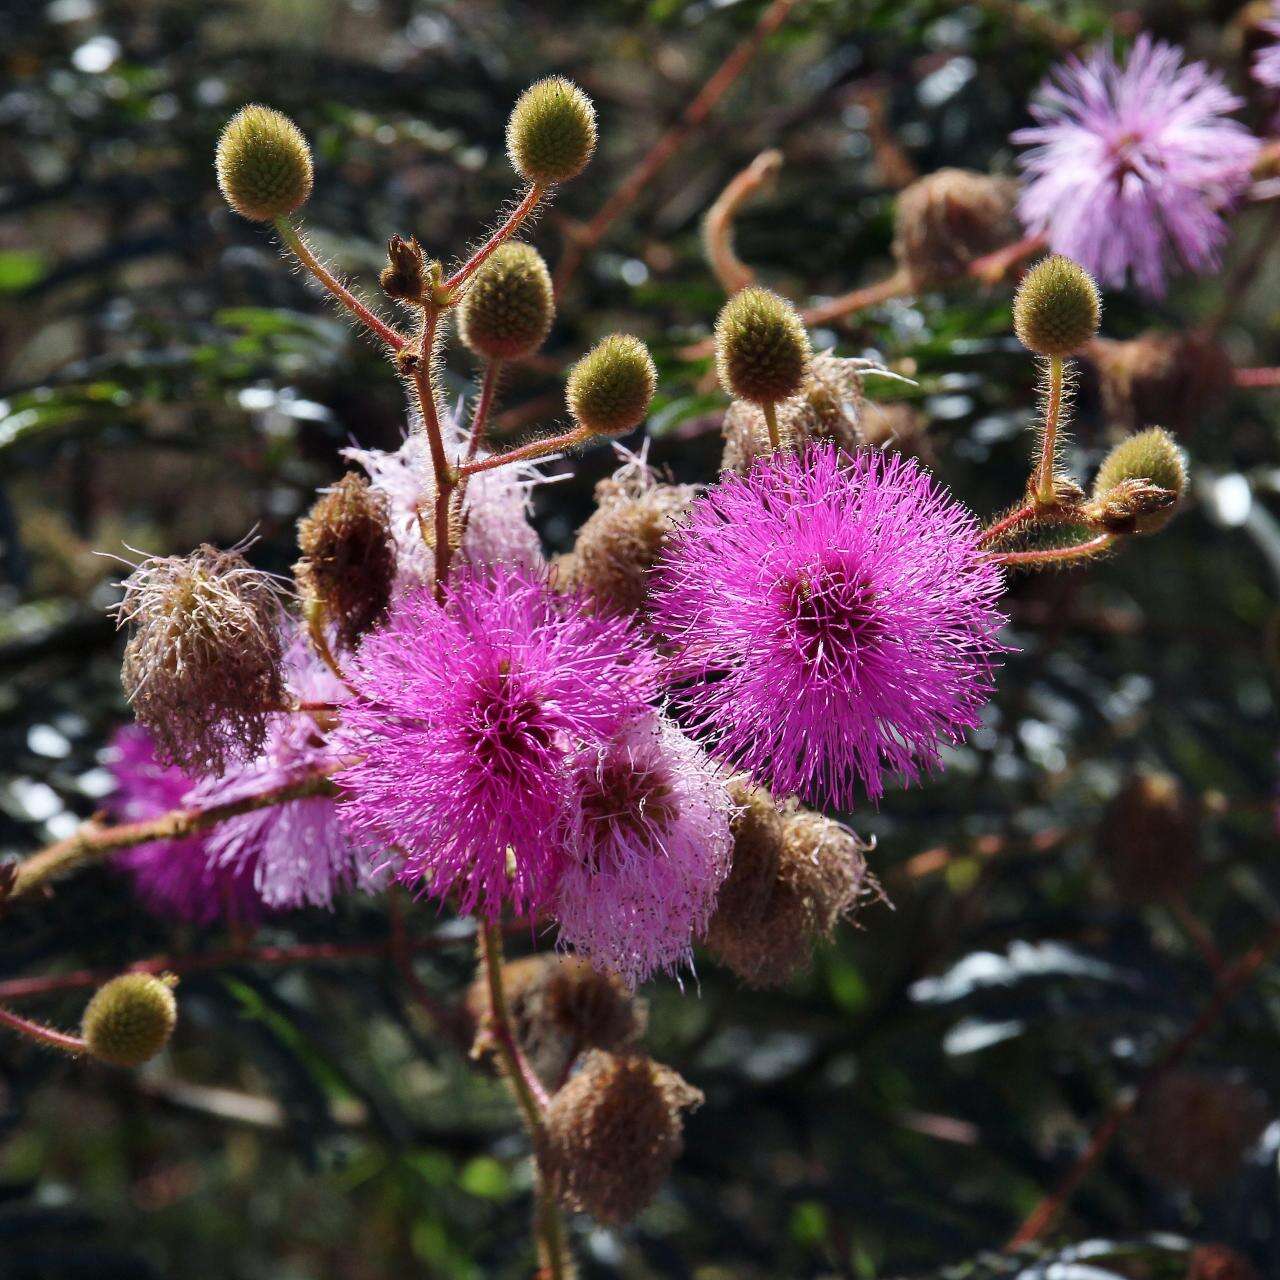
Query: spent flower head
{"points": [[829, 618], [1132, 163]]}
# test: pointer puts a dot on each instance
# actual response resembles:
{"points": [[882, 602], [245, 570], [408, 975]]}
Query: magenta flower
{"points": [[648, 846], [467, 718], [1129, 164], [175, 878], [298, 853], [829, 618]]}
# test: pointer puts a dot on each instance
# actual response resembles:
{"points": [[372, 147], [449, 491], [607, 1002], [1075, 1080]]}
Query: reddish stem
{"points": [[1056, 555], [44, 1035], [1257, 377], [504, 232], [534, 449], [1003, 525], [445, 477], [670, 142]]}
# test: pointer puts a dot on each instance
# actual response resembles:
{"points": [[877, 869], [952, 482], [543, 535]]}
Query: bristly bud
{"points": [[130, 1019], [621, 540], [829, 406], [947, 219], [348, 557], [1153, 457], [1057, 308], [1194, 1128], [613, 1133], [795, 875], [1160, 377], [405, 277], [551, 133], [610, 388], [561, 1006], [509, 305], [202, 668], [263, 164], [762, 349], [1149, 838]]}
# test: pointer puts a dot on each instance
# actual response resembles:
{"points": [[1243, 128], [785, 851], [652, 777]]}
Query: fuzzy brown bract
{"points": [[612, 1134]]}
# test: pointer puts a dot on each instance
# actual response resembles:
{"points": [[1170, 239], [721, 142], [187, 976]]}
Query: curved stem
{"points": [[717, 226], [41, 1034], [296, 245], [504, 232], [93, 841], [1006, 523], [445, 476], [1056, 555]]}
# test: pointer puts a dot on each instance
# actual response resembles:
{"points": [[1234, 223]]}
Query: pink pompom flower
{"points": [[1133, 163], [648, 845], [175, 878], [467, 717], [829, 618]]}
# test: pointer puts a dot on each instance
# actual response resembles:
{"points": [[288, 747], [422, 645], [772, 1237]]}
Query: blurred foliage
{"points": [[165, 380]]}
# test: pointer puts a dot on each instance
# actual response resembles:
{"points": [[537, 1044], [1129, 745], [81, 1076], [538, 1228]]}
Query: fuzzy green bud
{"points": [[762, 349], [264, 164], [610, 388], [1057, 308], [508, 307], [1154, 458], [130, 1019], [551, 132]]}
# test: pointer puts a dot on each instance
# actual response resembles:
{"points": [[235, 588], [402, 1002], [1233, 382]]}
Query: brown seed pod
{"points": [[613, 1133], [1149, 838], [829, 406], [947, 219], [202, 668], [348, 557], [621, 540], [1194, 1129]]}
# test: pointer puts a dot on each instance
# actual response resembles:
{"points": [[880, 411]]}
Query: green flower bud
{"points": [[264, 164], [610, 388], [130, 1019], [1153, 457], [551, 132], [1057, 308], [762, 349], [508, 307]]}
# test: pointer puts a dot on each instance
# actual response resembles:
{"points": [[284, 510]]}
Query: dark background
{"points": [[165, 379]]}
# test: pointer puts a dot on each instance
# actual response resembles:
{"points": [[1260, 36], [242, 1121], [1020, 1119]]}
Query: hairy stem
{"points": [[1044, 490], [526, 452], [1006, 523], [445, 476], [93, 841], [484, 403], [41, 1034], [1056, 555], [526, 206], [770, 411], [296, 245]]}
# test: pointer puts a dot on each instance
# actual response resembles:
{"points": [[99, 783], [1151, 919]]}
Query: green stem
{"points": [[1044, 490], [296, 245], [770, 411]]}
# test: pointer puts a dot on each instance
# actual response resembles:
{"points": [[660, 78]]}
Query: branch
{"points": [[717, 227], [670, 142]]}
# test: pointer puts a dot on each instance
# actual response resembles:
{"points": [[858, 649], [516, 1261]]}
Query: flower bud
{"points": [[202, 668], [612, 1134], [1153, 457], [622, 539], [794, 876], [946, 220], [762, 349], [348, 557], [1057, 308], [406, 275], [1149, 838], [130, 1019], [610, 388], [561, 1006], [263, 164], [829, 406], [509, 305], [551, 133], [1160, 377], [1194, 1128]]}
